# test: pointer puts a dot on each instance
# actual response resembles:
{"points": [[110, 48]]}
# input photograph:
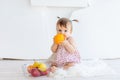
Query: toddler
{"points": [[64, 54]]}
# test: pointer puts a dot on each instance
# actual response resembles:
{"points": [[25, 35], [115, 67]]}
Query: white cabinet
{"points": [[60, 3]]}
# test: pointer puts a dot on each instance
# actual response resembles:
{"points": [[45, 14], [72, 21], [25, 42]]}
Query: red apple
{"points": [[44, 72], [35, 72], [29, 68]]}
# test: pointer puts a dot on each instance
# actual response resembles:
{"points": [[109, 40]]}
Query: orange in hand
{"points": [[59, 38]]}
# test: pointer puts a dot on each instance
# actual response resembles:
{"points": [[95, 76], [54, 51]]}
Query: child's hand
{"points": [[67, 35], [63, 43]]}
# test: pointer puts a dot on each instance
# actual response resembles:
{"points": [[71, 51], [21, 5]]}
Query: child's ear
{"points": [[71, 32]]}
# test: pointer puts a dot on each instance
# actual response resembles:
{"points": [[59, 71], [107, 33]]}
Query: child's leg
{"points": [[53, 64], [68, 64]]}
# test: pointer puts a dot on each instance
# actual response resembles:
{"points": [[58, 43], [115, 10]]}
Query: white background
{"points": [[26, 31], [99, 30]]}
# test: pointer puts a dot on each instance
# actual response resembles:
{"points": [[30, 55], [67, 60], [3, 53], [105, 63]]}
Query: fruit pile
{"points": [[37, 69]]}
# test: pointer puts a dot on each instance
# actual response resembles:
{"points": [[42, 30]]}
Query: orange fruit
{"points": [[29, 68], [59, 38]]}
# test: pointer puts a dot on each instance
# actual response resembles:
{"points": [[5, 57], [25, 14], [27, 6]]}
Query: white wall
{"points": [[98, 33], [27, 31]]}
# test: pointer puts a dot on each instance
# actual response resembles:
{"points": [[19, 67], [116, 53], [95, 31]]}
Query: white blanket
{"points": [[84, 69]]}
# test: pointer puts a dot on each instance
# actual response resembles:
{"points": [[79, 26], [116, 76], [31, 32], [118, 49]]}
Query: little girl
{"points": [[64, 54]]}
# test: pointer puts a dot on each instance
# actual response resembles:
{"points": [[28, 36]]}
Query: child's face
{"points": [[66, 31]]}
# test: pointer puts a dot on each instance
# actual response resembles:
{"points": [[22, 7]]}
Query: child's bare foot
{"points": [[68, 65], [53, 69]]}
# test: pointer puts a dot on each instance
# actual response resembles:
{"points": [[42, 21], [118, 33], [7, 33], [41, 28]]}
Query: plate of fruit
{"points": [[36, 69]]}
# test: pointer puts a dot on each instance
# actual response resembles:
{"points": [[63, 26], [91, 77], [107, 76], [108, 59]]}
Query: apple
{"points": [[44, 73], [35, 72], [42, 67], [36, 64], [29, 68]]}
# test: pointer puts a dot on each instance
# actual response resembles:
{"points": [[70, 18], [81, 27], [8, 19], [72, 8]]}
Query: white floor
{"points": [[12, 70]]}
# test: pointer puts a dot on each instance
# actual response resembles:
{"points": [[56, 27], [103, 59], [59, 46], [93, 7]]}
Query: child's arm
{"points": [[69, 45], [54, 47]]}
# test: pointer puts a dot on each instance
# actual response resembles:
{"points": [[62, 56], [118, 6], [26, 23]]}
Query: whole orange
{"points": [[59, 38], [29, 68]]}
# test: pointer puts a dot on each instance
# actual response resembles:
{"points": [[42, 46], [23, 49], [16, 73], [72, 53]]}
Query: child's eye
{"points": [[59, 30], [65, 30]]}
